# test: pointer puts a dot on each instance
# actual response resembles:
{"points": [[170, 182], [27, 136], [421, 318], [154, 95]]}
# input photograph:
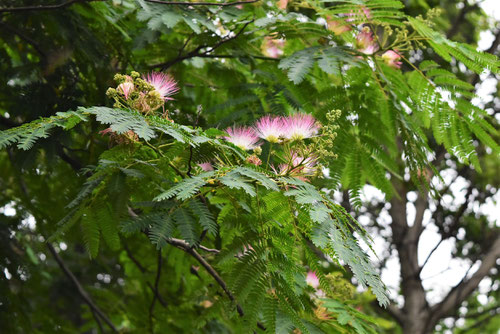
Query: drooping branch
{"points": [[85, 296], [188, 249]]}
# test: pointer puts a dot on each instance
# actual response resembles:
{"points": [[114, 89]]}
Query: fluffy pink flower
{"points": [[273, 47], [391, 58], [206, 166], [312, 279], [243, 137], [282, 4], [126, 88], [270, 128], [253, 159], [338, 27], [300, 126], [163, 83], [365, 42]]}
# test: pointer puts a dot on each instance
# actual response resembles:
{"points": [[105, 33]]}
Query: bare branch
{"points": [[465, 288], [430, 254], [155, 290], [185, 247], [94, 308]]}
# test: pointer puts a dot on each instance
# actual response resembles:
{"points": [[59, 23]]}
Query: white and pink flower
{"points": [[273, 47], [163, 83], [312, 279], [298, 167], [270, 128], [338, 27], [206, 166], [365, 42], [392, 58], [243, 137], [126, 88], [300, 126]]}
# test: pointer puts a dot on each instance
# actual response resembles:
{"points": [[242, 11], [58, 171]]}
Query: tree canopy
{"points": [[176, 166]]}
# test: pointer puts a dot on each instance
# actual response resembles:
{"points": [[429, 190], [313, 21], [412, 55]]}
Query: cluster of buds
{"points": [[273, 47], [365, 40], [145, 94], [323, 145]]}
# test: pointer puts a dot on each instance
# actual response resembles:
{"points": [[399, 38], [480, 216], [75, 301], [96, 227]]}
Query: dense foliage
{"points": [[204, 198]]}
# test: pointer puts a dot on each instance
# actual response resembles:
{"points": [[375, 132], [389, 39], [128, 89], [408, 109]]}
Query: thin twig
{"points": [[196, 52], [79, 287], [43, 8], [143, 270], [157, 282], [185, 247], [430, 254]]}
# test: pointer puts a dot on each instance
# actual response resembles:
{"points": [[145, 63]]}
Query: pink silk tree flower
{"points": [[282, 4], [298, 167], [392, 58], [206, 166], [300, 126], [270, 128], [163, 83], [338, 27], [126, 88], [254, 160], [365, 42], [312, 279], [304, 166], [273, 47], [243, 137]]}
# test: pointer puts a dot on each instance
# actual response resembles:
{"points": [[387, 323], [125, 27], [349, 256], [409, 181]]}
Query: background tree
{"points": [[238, 61]]}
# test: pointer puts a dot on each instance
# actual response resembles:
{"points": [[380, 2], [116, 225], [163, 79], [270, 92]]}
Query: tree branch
{"points": [[155, 290], [187, 248], [43, 8], [25, 38], [94, 308], [143, 270], [460, 18], [196, 52], [463, 290], [430, 254], [201, 3]]}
